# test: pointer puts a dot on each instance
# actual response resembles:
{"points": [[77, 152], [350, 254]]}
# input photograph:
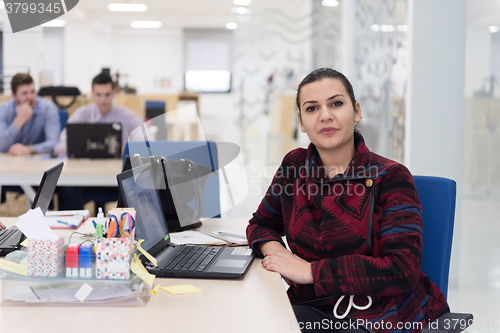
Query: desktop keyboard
{"points": [[193, 258], [6, 234]]}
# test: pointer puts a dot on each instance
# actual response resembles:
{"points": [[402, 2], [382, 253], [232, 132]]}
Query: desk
{"points": [[76, 172], [257, 303], [28, 171]]}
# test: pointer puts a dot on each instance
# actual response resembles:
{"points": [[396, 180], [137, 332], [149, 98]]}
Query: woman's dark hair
{"points": [[326, 73], [103, 79]]}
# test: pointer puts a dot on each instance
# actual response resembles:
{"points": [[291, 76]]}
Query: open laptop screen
{"points": [[47, 187], [138, 190]]}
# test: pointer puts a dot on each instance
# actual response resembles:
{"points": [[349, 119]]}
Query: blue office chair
{"points": [[200, 152], [63, 118], [437, 197]]}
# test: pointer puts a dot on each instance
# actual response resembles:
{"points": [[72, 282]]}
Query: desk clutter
{"points": [[48, 269]]}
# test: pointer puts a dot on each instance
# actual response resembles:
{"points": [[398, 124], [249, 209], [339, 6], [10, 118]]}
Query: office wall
{"points": [[150, 61], [22, 52], [78, 49], [52, 72]]}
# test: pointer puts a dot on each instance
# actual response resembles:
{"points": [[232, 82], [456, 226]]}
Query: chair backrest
{"points": [[200, 152], [63, 118], [437, 196]]}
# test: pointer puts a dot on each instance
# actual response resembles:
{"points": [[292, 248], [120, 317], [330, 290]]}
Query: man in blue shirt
{"points": [[28, 124]]}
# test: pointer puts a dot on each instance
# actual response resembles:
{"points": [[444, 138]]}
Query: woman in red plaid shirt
{"points": [[352, 220]]}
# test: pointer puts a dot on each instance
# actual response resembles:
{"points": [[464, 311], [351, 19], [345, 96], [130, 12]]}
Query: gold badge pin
{"points": [[369, 182]]}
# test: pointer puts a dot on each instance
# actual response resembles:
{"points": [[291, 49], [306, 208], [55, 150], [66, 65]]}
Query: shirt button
{"points": [[369, 182]]}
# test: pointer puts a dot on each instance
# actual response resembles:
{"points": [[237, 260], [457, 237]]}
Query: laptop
{"points": [[138, 190], [11, 238], [94, 140]]}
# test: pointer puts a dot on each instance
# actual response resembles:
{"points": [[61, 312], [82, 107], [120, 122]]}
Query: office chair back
{"points": [[200, 152], [63, 118], [437, 196]]}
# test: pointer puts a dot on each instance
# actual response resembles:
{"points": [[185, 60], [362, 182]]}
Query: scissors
{"points": [[131, 222]]}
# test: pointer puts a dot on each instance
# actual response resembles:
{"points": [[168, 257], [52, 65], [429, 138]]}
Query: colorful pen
{"points": [[69, 224]]}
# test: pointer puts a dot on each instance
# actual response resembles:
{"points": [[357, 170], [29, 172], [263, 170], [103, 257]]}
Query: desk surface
{"points": [[76, 172], [257, 303]]}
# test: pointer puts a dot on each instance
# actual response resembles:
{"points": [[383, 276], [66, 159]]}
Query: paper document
{"points": [[66, 219], [195, 238], [231, 237], [33, 226]]}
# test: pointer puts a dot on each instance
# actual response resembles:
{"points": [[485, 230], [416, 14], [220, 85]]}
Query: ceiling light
{"points": [[231, 25], [387, 27], [330, 3], [241, 10], [2, 5], [146, 24], [375, 27], [403, 27], [242, 2], [54, 24], [127, 7], [493, 28]]}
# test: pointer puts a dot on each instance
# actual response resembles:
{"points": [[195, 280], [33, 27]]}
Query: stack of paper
{"points": [[194, 237], [205, 237]]}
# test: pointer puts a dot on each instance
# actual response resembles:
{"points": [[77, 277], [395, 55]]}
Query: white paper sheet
{"points": [[33, 226], [194, 237]]}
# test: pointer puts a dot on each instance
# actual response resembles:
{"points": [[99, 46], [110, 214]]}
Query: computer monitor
{"points": [[207, 81]]}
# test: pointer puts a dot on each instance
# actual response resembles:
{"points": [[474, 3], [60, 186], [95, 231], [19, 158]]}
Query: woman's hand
{"points": [[290, 266]]}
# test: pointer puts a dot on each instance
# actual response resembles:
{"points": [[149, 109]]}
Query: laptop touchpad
{"points": [[230, 263]]}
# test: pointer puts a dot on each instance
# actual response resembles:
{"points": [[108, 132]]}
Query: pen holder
{"points": [[113, 258], [45, 258]]}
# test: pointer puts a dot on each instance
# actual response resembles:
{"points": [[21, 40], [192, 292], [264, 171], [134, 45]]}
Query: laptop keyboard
{"points": [[6, 234], [193, 259]]}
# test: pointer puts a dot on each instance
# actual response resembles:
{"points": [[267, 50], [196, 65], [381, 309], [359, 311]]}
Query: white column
{"points": [[348, 32], [77, 55], [435, 101]]}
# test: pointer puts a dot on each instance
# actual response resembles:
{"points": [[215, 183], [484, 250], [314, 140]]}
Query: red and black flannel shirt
{"points": [[325, 222]]}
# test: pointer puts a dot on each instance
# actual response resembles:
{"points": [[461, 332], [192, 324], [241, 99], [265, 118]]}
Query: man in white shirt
{"points": [[103, 111]]}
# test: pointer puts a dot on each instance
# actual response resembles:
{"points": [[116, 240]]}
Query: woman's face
{"points": [[327, 115]]}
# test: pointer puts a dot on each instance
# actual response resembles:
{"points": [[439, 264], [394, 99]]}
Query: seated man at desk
{"points": [[102, 111], [28, 124]]}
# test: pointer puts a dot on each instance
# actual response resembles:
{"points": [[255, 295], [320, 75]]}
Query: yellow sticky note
{"points": [[155, 289], [146, 254], [25, 242], [13, 267], [137, 267], [181, 289]]}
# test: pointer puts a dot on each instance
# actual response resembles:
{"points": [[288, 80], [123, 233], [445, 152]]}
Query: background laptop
{"points": [[94, 140], [137, 189], [11, 238]]}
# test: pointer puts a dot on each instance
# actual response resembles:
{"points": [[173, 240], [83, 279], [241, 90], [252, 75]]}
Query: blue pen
{"points": [[66, 223]]}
